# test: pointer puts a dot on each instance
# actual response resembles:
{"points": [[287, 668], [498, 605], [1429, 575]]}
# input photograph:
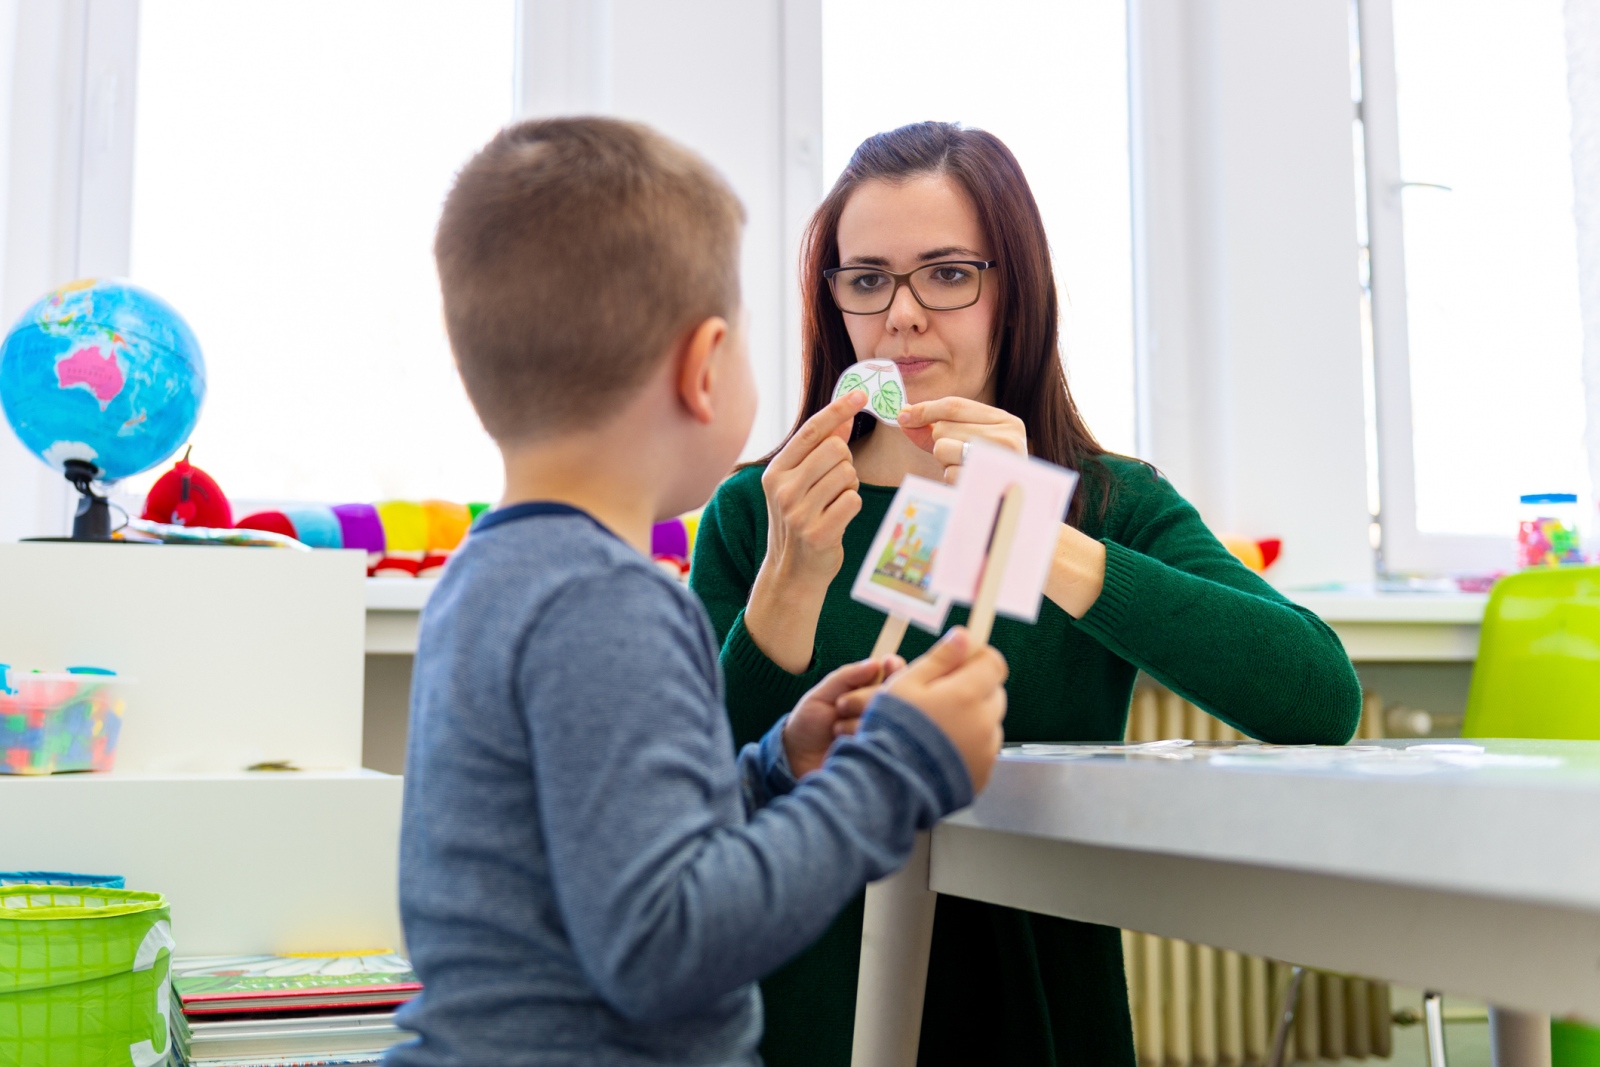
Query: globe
{"points": [[104, 372]]}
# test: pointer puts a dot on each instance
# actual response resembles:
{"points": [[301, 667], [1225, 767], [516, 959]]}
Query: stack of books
{"points": [[288, 1011]]}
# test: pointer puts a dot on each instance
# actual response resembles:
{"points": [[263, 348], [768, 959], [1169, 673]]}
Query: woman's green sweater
{"points": [[1006, 986]]}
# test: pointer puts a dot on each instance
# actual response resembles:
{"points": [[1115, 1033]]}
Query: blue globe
{"points": [[102, 371]]}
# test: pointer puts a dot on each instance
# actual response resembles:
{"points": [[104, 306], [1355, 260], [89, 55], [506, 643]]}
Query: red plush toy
{"points": [[188, 496]]}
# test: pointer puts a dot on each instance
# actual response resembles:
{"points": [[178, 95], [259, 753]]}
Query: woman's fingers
{"points": [[831, 421], [952, 409], [957, 420], [947, 450], [838, 480], [830, 455]]}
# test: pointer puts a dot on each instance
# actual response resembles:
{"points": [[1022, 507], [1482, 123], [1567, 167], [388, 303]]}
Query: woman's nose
{"points": [[905, 314]]}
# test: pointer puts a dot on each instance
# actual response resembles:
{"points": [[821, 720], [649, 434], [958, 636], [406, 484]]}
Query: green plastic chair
{"points": [[1538, 675]]}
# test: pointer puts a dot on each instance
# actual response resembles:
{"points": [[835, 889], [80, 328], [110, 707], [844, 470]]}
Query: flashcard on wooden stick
{"points": [[880, 380], [897, 572], [988, 472]]}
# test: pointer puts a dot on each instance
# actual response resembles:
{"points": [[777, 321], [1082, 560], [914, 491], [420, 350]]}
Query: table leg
{"points": [[1519, 1038], [896, 935]]}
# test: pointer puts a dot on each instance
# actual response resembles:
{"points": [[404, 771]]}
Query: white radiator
{"points": [[1208, 1007]]}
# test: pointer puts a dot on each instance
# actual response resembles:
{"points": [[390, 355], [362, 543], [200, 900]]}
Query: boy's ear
{"points": [[697, 367]]}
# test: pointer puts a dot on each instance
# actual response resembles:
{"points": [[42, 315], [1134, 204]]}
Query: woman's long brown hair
{"points": [[1024, 348]]}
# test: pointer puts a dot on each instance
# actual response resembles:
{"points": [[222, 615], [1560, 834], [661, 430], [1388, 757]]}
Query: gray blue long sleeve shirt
{"points": [[587, 874]]}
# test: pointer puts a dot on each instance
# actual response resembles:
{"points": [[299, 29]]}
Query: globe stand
{"points": [[93, 519]]}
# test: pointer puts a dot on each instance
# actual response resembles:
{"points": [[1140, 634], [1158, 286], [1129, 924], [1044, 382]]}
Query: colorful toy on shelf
{"points": [[188, 496], [1547, 535], [360, 527], [59, 721], [670, 548], [271, 521], [1257, 555], [316, 525], [447, 527], [402, 538], [405, 534]]}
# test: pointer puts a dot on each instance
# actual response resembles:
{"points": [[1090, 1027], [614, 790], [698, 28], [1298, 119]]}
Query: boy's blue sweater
{"points": [[587, 875]]}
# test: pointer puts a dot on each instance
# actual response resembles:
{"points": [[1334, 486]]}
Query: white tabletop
{"points": [[1474, 872], [1520, 820]]}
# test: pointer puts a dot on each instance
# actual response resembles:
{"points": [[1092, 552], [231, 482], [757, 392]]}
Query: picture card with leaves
{"points": [[880, 380]]}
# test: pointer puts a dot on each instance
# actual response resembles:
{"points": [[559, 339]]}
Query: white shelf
{"points": [[399, 594], [1381, 626], [1374, 626], [250, 862]]}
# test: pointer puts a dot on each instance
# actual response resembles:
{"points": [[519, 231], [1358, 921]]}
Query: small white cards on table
{"points": [[895, 577], [880, 380], [987, 473]]}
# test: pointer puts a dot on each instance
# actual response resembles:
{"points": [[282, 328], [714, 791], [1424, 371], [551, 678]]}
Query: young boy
{"points": [[587, 876]]}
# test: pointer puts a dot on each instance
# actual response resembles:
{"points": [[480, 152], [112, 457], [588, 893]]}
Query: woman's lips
{"points": [[912, 366]]}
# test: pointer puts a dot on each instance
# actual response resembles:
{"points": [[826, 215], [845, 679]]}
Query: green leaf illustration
{"points": [[887, 401], [849, 384]]}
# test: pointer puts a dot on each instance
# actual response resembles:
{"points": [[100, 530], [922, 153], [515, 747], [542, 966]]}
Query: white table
{"points": [[1481, 881]]}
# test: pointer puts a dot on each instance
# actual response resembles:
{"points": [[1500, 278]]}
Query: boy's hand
{"points": [[963, 692], [822, 715]]}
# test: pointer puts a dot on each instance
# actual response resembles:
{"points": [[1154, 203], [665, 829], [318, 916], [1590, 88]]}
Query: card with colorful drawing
{"points": [[897, 573]]}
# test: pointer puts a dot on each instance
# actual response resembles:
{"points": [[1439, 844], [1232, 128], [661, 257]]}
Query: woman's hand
{"points": [[824, 715], [943, 426], [810, 487]]}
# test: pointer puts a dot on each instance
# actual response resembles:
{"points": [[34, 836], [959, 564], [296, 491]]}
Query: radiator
{"points": [[1210, 1007]]}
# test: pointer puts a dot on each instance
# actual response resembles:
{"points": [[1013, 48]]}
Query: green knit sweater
{"points": [[1006, 986]]}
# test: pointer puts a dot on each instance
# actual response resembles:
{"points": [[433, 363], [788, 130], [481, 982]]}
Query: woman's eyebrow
{"points": [[924, 257], [948, 250]]}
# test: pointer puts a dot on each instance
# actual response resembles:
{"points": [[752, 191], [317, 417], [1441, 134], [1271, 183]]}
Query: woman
{"points": [[943, 266]]}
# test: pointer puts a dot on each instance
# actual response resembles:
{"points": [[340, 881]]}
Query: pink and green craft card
{"points": [[988, 471]]}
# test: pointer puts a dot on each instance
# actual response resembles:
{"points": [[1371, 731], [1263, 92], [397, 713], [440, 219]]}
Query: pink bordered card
{"points": [[988, 471], [896, 576]]}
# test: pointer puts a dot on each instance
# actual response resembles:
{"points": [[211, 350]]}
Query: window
{"points": [[290, 158], [1050, 80], [1476, 317]]}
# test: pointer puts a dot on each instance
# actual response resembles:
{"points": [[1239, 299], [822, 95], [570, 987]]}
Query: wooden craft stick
{"points": [[981, 621], [889, 638]]}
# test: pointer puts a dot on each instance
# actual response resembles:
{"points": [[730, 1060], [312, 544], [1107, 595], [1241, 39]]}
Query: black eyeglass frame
{"points": [[980, 265]]}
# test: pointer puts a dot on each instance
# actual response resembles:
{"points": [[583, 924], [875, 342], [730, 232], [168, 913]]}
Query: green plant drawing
{"points": [[888, 400], [880, 380]]}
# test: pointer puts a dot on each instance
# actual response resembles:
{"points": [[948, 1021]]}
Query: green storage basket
{"points": [[84, 977], [1573, 1045]]}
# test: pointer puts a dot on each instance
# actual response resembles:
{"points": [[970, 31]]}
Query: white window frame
{"points": [[1405, 549]]}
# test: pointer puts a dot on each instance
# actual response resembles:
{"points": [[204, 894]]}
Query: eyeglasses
{"points": [[945, 286]]}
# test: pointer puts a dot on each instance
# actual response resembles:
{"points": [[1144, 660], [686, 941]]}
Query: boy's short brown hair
{"points": [[572, 253]]}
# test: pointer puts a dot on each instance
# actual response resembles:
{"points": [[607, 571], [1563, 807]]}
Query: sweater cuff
{"points": [[756, 672], [923, 747], [1106, 615], [775, 770]]}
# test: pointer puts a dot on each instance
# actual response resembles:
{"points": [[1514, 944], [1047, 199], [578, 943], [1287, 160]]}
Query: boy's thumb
{"points": [[944, 657]]}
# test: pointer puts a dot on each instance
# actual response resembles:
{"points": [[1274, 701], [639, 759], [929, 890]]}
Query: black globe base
{"points": [[93, 519]]}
